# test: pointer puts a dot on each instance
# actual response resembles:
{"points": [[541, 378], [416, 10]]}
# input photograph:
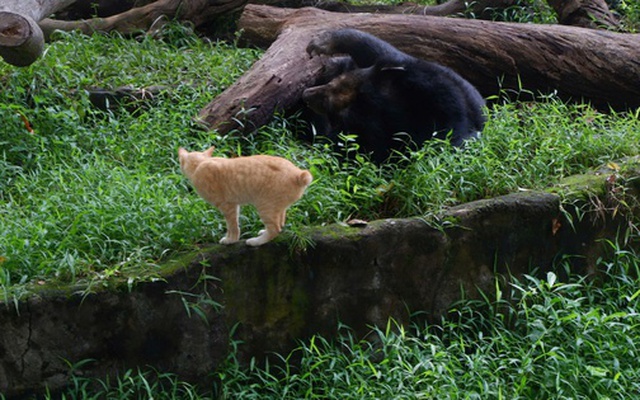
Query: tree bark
{"points": [[585, 13], [482, 9], [274, 83], [599, 66], [21, 39], [142, 18], [200, 12], [588, 13]]}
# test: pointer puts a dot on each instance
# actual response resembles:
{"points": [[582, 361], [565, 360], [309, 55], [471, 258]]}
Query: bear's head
{"points": [[350, 87]]}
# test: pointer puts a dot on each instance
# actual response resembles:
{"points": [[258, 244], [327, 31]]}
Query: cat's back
{"points": [[258, 171], [273, 164], [272, 169], [257, 179]]}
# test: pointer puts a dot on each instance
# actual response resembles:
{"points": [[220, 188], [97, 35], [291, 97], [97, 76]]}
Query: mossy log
{"points": [[579, 64]]}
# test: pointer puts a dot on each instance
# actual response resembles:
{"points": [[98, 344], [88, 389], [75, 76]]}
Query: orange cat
{"points": [[271, 184]]}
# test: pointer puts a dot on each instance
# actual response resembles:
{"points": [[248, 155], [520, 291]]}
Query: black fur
{"points": [[379, 91]]}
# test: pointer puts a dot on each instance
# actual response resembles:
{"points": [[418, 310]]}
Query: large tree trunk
{"points": [[21, 39], [274, 83], [598, 66]]}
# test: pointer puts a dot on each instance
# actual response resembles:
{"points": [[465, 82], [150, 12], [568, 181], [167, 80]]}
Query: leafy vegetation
{"points": [[629, 13], [538, 11], [553, 340], [90, 194]]}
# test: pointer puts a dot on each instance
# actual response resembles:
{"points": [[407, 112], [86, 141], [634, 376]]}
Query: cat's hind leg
{"points": [[281, 219], [273, 226], [231, 213]]}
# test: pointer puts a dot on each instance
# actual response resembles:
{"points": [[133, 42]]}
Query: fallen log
{"points": [[578, 64], [587, 13], [143, 18], [89, 16], [21, 39], [484, 9]]}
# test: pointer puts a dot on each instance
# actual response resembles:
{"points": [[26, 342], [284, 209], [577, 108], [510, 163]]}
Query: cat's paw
{"points": [[226, 240], [257, 241]]}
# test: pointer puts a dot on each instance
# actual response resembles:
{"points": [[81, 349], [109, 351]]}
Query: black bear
{"points": [[378, 91]]}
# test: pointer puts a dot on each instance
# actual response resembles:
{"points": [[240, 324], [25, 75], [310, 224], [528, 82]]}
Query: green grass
{"points": [[577, 339], [90, 190], [558, 340], [629, 13], [90, 194]]}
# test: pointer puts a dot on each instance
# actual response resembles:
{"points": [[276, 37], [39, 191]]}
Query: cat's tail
{"points": [[304, 179]]}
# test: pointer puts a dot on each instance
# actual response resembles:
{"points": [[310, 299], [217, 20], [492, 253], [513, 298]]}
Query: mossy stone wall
{"points": [[270, 297]]}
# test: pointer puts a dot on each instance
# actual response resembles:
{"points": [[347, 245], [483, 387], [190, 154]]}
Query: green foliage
{"points": [[527, 11], [91, 194], [90, 190], [130, 385], [534, 11], [552, 340], [629, 12]]}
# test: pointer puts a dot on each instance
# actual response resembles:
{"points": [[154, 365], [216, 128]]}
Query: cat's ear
{"points": [[209, 151], [182, 152]]}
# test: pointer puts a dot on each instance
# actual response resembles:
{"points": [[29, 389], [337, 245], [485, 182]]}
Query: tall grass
{"points": [[576, 339], [561, 340], [89, 190], [90, 193]]}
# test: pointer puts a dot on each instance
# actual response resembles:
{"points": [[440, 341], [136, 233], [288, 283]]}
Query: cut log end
{"points": [[21, 39], [14, 29]]}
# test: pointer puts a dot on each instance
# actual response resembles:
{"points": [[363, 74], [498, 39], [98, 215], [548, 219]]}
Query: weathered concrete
{"points": [[272, 295]]}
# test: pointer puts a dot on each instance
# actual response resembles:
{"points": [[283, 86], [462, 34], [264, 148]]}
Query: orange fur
{"points": [[269, 183]]}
